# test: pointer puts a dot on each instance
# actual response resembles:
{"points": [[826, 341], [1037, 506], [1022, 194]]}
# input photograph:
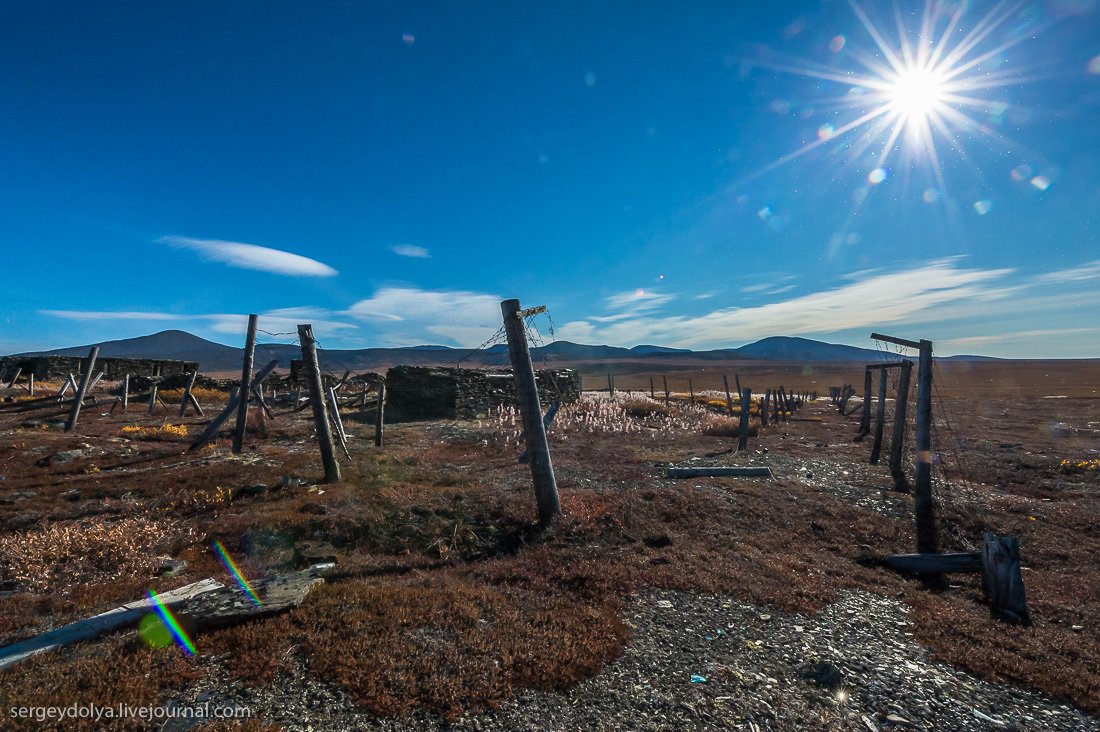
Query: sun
{"points": [[917, 93]]}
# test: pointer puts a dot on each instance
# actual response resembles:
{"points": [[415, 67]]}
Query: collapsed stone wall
{"points": [[297, 376], [48, 368], [437, 392]]}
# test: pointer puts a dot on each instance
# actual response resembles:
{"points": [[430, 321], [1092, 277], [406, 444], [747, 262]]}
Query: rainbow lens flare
{"points": [[170, 621], [232, 567]]}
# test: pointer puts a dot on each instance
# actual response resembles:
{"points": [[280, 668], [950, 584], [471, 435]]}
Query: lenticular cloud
{"points": [[250, 256]]}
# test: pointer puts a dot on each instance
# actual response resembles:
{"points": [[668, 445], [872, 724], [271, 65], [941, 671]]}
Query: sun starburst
{"points": [[924, 89]]}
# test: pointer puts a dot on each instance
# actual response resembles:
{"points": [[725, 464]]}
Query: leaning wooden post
{"points": [[691, 390], [610, 385], [865, 417], [542, 470], [898, 434], [880, 417], [187, 392], [335, 406], [729, 399], [70, 425], [651, 394], [743, 433], [18, 371], [781, 400], [927, 541], [153, 397], [212, 428], [317, 401], [665, 379], [737, 381], [379, 422], [125, 392], [246, 384], [764, 407]]}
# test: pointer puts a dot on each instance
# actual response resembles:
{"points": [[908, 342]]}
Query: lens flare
{"points": [[232, 567], [169, 620]]}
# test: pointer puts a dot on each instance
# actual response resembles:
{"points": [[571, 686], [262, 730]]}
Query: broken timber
{"points": [[757, 472]]}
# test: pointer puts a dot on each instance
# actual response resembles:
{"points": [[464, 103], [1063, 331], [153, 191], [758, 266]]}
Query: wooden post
{"points": [[729, 399], [764, 407], [898, 435], [781, 400], [737, 381], [317, 401], [610, 385], [15, 378], [74, 413], [195, 404], [1002, 579], [927, 540], [212, 428], [30, 383], [542, 469], [153, 397], [363, 396], [880, 417], [743, 433], [665, 379], [246, 384], [125, 392], [187, 392], [691, 390], [652, 395], [865, 417], [379, 423]]}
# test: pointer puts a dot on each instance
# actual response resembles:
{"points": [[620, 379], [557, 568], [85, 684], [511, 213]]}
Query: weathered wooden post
{"points": [[610, 385], [925, 508], [1002, 579], [691, 390], [665, 379], [898, 435], [187, 392], [743, 433], [880, 417], [379, 423], [11, 384], [737, 381], [363, 396], [125, 392], [212, 428], [30, 384], [764, 407], [334, 405], [78, 399], [246, 384], [317, 401], [729, 399], [781, 400], [865, 417], [542, 469], [152, 397], [652, 395]]}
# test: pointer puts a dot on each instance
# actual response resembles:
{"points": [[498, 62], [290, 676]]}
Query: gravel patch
{"points": [[711, 662]]}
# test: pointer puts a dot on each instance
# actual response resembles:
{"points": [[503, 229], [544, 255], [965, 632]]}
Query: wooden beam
{"points": [[720, 472], [187, 392], [936, 563], [896, 341], [246, 384], [542, 468], [317, 401], [212, 428], [74, 413], [531, 311]]}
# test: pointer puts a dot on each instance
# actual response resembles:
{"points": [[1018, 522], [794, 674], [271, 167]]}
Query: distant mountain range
{"points": [[212, 357]]}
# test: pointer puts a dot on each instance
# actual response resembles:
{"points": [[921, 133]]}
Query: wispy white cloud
{"points": [[409, 315], [876, 299], [953, 344], [1089, 271], [631, 303], [250, 256], [410, 250], [110, 315]]}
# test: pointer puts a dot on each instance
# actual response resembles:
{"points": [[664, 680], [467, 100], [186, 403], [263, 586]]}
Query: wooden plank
{"points": [[230, 605], [531, 311], [187, 393], [213, 427], [15, 378], [89, 628], [748, 471], [936, 563]]}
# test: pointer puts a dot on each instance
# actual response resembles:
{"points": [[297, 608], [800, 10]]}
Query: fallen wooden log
{"points": [[230, 605], [720, 472], [936, 563], [89, 628]]}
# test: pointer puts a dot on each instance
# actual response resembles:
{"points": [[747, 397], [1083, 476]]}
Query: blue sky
{"points": [[677, 173]]}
